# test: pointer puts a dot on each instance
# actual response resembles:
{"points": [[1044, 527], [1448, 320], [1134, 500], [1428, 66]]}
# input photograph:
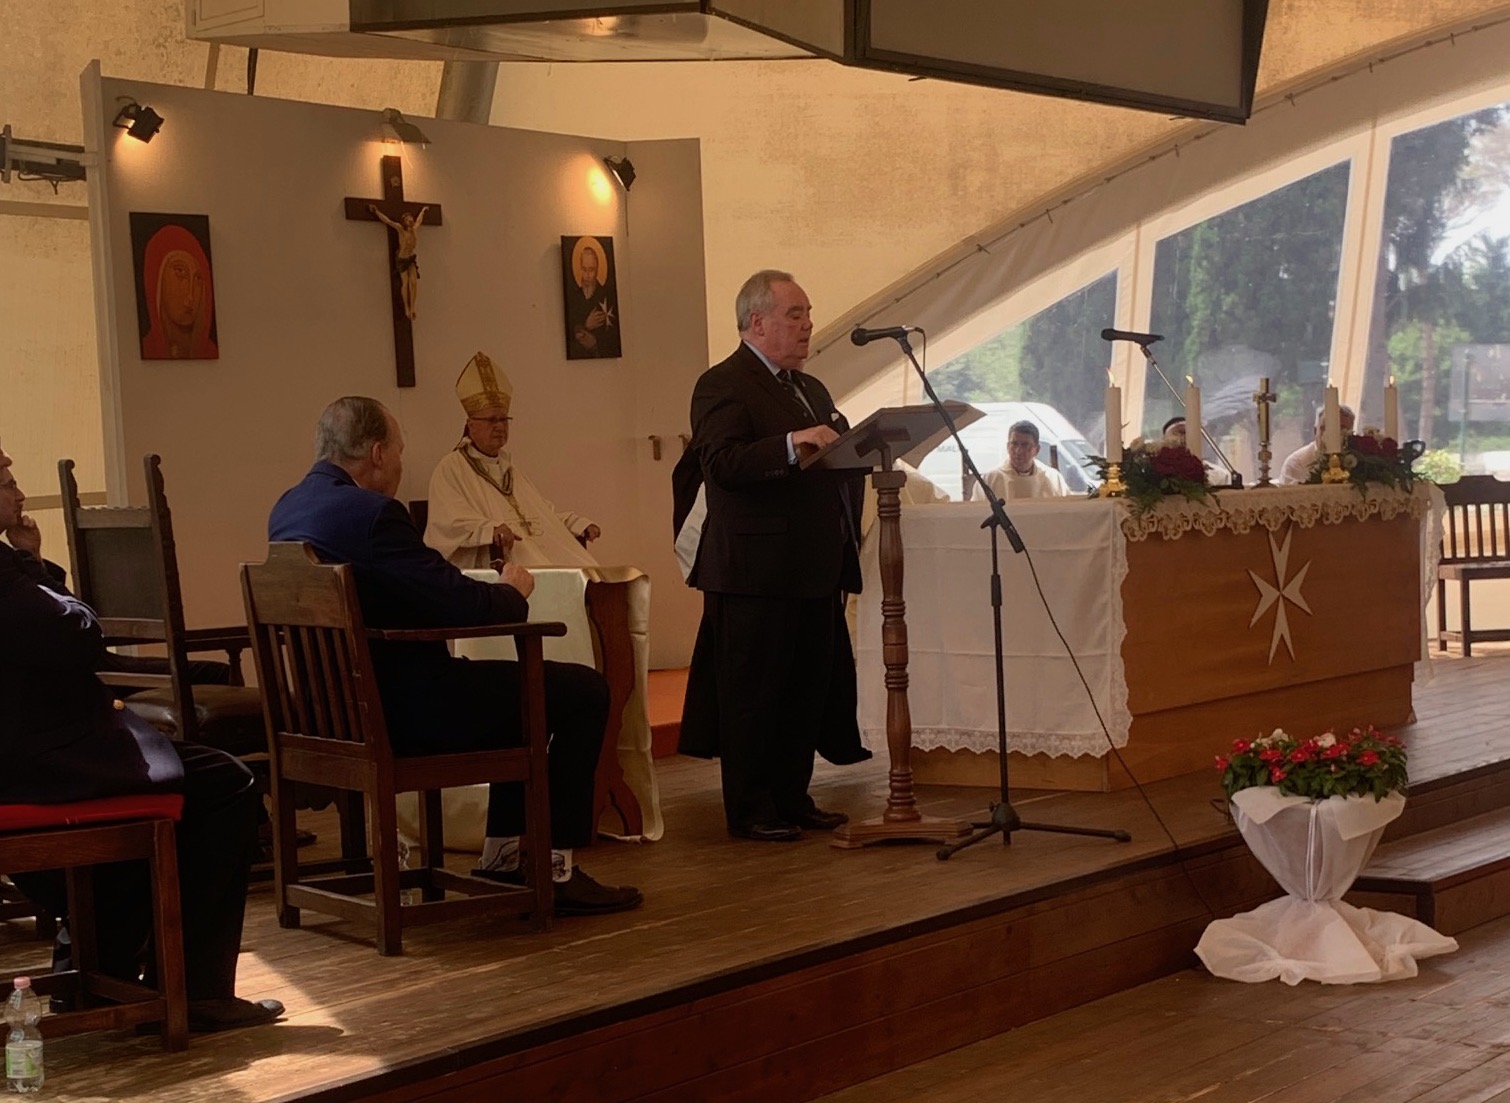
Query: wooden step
{"points": [[664, 694], [1451, 878]]}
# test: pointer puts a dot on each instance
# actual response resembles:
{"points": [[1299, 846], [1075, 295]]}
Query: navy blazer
{"points": [[772, 528], [63, 735], [401, 583]]}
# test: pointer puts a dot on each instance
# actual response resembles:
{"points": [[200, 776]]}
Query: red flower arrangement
{"points": [[1152, 472], [1362, 762], [1371, 457]]}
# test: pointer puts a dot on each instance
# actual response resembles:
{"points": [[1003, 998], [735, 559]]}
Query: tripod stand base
{"points": [[924, 829]]}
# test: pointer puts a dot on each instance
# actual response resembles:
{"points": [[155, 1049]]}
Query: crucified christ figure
{"points": [[405, 260]]}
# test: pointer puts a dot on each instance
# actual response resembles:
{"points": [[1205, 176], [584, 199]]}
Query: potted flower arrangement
{"points": [[1363, 762], [1371, 457], [1312, 810], [1154, 471]]}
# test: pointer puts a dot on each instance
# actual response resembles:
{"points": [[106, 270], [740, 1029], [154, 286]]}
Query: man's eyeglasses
{"points": [[493, 421]]}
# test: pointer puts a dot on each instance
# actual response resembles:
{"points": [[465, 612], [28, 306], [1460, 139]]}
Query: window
{"points": [[1441, 313], [1049, 369], [1245, 295]]}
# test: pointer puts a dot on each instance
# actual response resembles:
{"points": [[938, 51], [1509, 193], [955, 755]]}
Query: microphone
{"points": [[866, 336], [1128, 335]]}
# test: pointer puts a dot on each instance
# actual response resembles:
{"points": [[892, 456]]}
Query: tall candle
{"points": [[1113, 422], [1192, 416], [1392, 410], [1263, 408], [1331, 433]]}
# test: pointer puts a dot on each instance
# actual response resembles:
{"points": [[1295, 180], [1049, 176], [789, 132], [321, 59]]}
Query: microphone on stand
{"points": [[1144, 339], [866, 336]]}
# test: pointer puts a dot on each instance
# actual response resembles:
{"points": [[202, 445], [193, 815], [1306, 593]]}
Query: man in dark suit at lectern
{"points": [[773, 675]]}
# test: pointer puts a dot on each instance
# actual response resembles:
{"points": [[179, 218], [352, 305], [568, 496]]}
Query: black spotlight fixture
{"points": [[622, 169], [139, 121]]}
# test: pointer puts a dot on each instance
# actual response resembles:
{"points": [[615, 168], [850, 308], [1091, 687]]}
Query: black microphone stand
{"points": [[1004, 817]]}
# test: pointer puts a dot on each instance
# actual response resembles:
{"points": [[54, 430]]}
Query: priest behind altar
{"points": [[482, 508]]}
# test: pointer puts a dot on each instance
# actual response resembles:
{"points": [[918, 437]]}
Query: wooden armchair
{"points": [[125, 567], [327, 726], [1475, 546]]}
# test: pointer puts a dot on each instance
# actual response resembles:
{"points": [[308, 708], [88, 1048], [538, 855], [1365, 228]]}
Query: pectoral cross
{"points": [[391, 210]]}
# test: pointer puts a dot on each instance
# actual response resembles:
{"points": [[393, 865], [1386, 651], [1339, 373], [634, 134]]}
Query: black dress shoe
{"points": [[212, 1016], [766, 831], [819, 820]]}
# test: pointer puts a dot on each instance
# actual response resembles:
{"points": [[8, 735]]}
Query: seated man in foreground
{"points": [[64, 738], [435, 703], [1023, 476], [482, 509]]}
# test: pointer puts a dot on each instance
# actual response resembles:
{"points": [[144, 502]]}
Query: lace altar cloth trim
{"points": [[1240, 511]]}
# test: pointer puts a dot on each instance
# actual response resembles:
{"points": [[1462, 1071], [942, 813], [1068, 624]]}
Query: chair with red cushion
{"points": [[73, 837]]}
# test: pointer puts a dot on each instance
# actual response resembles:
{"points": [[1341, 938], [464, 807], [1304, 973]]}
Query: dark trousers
{"points": [[775, 660], [481, 712], [216, 838]]}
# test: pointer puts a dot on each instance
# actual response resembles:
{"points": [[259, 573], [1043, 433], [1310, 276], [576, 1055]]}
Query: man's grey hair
{"points": [[349, 428], [757, 296], [1027, 427], [1341, 412]]}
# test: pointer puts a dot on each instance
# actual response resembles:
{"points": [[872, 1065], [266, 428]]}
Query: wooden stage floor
{"points": [[719, 914]]}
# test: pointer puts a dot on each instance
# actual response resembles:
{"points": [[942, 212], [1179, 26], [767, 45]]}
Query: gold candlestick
{"points": [[1112, 486], [1334, 472]]}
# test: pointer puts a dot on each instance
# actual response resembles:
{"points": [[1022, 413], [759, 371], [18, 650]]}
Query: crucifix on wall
{"points": [[403, 218]]}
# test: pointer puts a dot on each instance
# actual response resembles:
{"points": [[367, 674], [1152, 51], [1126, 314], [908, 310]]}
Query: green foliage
{"points": [[989, 372], [1439, 466], [1362, 762], [1372, 458]]}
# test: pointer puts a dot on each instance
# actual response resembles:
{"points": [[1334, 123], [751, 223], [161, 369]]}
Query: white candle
{"points": [[1392, 410], [1331, 433], [1192, 416], [1113, 422]]}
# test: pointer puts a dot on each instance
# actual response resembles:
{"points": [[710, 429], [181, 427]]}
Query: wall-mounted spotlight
{"points": [[139, 121], [622, 169], [399, 129]]}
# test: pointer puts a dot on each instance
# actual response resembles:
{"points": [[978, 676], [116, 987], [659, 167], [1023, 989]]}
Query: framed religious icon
{"points": [[589, 283], [175, 286]]}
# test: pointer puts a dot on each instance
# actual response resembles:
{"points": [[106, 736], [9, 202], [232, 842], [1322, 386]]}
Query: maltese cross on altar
{"points": [[1278, 593]]}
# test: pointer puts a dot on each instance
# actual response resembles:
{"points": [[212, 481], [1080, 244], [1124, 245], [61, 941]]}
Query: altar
{"points": [[1194, 624]]}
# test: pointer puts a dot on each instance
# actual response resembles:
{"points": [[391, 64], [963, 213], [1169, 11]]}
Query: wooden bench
{"points": [[1475, 546]]}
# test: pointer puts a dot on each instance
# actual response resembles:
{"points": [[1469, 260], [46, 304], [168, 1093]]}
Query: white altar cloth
{"points": [[1081, 558]]}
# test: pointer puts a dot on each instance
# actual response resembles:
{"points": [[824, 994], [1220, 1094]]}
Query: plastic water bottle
{"points": [[23, 1045]]}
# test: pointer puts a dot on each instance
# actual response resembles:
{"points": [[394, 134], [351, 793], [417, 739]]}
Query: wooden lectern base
{"points": [[924, 829]]}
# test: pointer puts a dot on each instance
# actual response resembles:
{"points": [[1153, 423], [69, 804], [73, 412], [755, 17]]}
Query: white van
{"points": [[987, 441]]}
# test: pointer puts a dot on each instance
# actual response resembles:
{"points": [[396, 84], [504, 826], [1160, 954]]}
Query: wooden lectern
{"points": [[874, 445]]}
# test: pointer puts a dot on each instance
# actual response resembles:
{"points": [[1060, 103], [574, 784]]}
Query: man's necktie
{"points": [[790, 385]]}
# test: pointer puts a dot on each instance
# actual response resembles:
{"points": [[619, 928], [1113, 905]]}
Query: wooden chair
{"points": [[74, 837], [125, 567], [328, 728], [1475, 546]]}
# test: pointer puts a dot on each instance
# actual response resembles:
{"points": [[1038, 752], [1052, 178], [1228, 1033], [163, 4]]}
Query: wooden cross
{"points": [[394, 206]]}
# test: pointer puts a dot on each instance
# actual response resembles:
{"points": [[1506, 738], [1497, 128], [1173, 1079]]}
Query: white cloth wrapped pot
{"points": [[1315, 849]]}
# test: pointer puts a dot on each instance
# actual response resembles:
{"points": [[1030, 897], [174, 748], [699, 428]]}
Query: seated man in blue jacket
{"points": [[434, 703], [64, 737]]}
